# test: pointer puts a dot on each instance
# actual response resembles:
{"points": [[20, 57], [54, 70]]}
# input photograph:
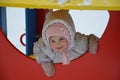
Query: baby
{"points": [[60, 43]]}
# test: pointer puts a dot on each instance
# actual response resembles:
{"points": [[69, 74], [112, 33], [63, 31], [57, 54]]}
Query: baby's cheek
{"points": [[53, 47], [66, 46]]}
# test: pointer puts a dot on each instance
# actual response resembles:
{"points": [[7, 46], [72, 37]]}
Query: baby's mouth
{"points": [[60, 47]]}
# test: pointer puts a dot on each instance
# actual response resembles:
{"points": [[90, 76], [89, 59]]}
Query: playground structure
{"points": [[75, 4], [105, 65]]}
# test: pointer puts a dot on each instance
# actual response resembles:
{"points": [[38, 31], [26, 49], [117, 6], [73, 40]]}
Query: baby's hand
{"points": [[48, 68], [93, 43], [78, 36], [81, 43]]}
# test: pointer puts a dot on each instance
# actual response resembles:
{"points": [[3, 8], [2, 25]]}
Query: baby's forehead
{"points": [[56, 37]]}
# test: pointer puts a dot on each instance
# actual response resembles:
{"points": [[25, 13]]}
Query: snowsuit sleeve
{"points": [[38, 51], [81, 45]]}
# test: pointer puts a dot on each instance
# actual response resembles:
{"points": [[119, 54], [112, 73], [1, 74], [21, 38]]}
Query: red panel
{"points": [[105, 65], [40, 19]]}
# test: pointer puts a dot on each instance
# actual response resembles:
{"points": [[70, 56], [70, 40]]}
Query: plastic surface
{"points": [[105, 65], [75, 4]]}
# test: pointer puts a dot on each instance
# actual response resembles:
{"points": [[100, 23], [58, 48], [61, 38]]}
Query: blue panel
{"points": [[0, 19], [31, 29], [3, 24]]}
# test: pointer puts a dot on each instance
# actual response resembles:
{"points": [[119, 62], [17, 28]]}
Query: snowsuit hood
{"points": [[59, 16]]}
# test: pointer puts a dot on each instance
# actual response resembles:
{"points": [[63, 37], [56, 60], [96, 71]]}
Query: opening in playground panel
{"points": [[86, 22], [16, 27]]}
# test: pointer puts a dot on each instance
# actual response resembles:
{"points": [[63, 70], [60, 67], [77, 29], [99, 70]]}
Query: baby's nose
{"points": [[58, 44]]}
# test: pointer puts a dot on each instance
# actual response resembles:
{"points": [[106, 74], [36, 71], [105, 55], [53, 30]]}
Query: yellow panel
{"points": [[75, 4], [32, 56]]}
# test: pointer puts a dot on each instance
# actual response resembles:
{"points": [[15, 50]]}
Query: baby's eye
{"points": [[52, 41], [61, 39]]}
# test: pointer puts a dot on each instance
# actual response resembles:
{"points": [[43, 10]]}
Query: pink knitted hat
{"points": [[57, 29]]}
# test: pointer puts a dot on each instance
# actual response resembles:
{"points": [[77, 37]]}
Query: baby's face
{"points": [[58, 43]]}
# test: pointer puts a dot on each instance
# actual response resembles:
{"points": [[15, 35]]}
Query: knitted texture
{"points": [[57, 29]]}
